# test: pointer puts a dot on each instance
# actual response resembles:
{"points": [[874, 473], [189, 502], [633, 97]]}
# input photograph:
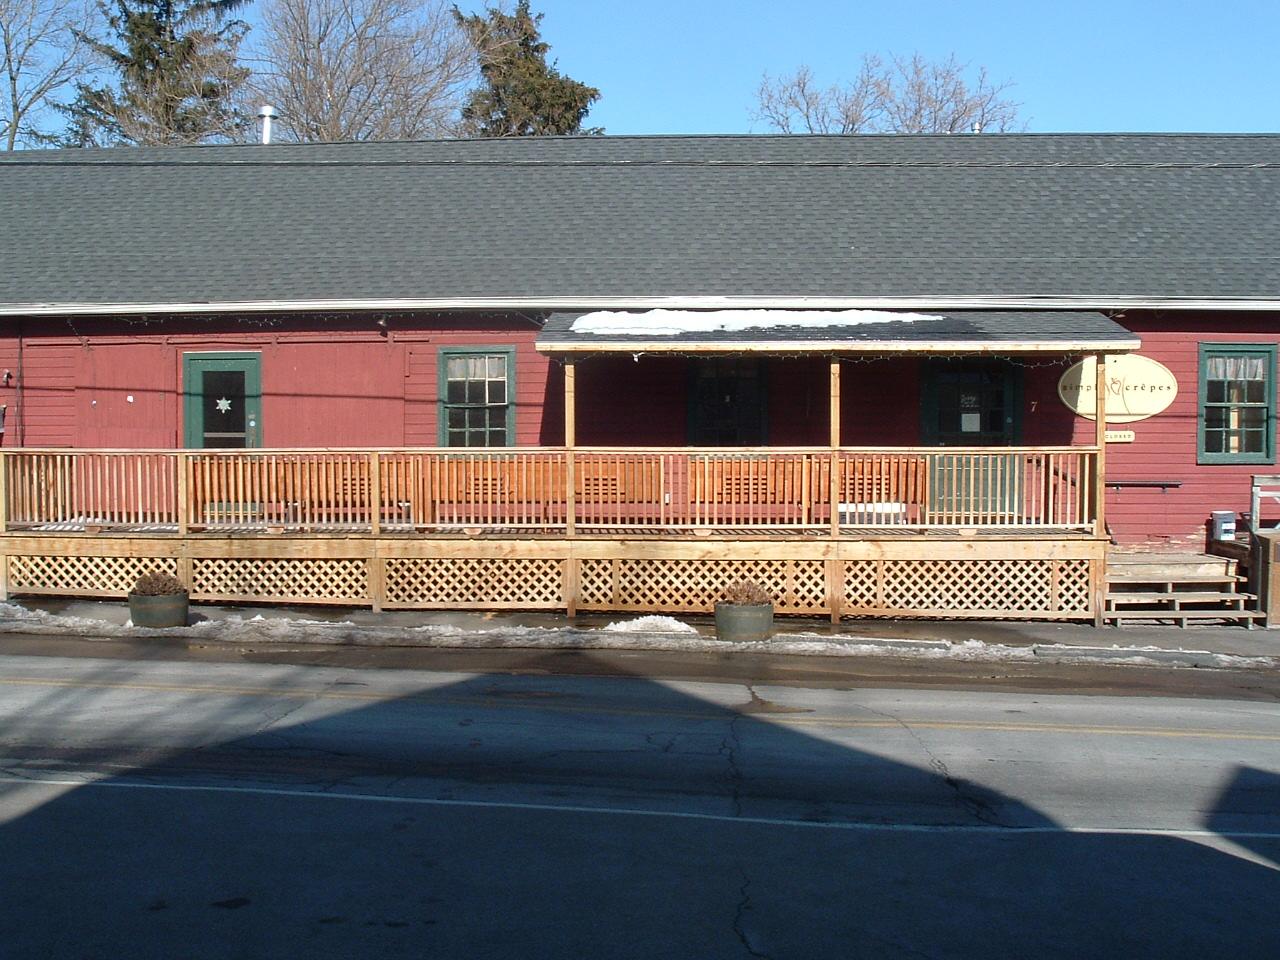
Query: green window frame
{"points": [[1236, 413], [477, 397]]}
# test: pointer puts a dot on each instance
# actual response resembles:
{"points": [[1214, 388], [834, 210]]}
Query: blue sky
{"points": [[665, 66]]}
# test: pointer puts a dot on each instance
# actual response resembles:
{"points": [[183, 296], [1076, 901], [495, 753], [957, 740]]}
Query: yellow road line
{"points": [[720, 713]]}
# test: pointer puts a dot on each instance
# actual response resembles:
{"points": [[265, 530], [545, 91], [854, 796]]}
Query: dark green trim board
{"points": [[1267, 352], [194, 367], [443, 405]]}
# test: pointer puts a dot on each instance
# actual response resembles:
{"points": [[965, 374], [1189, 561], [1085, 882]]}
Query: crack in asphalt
{"points": [[667, 747], [729, 747], [293, 708], [977, 807], [740, 911]]}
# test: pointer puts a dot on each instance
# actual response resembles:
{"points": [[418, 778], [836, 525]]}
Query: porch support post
{"points": [[1100, 439], [1100, 487], [4, 525], [570, 439], [4, 492], [834, 441]]}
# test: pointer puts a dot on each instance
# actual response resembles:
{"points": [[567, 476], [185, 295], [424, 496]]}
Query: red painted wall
{"points": [[1165, 445], [343, 382], [110, 383]]}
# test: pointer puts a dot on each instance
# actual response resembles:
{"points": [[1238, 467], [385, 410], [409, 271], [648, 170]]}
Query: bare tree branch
{"points": [[905, 95], [41, 52], [363, 69]]}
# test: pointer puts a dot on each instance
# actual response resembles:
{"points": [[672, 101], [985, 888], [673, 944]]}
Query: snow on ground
{"points": [[642, 633], [650, 624], [670, 323]]}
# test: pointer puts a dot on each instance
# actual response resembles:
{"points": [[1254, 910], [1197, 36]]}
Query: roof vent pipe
{"points": [[266, 114]]}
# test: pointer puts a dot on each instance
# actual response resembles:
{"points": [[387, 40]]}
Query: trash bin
{"points": [[1222, 525]]}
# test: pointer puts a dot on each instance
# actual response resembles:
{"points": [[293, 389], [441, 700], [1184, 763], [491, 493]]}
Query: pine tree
{"points": [[521, 94], [177, 75]]}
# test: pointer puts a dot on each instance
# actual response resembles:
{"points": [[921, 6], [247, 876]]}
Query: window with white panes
{"points": [[476, 394], [1237, 403]]}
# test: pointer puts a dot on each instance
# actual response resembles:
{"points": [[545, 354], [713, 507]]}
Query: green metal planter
{"points": [[164, 610], [744, 622]]}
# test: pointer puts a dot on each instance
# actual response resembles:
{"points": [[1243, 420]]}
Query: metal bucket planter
{"points": [[163, 610], [744, 622]]}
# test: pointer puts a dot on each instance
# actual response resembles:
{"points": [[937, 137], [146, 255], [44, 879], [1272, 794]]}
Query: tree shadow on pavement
{"points": [[503, 815]]}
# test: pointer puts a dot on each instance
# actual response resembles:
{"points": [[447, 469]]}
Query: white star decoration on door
{"points": [[224, 405]]}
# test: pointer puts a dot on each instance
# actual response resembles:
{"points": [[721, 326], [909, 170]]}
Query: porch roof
{"points": [[833, 331]]}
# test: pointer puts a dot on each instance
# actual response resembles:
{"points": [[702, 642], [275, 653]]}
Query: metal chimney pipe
{"points": [[266, 113]]}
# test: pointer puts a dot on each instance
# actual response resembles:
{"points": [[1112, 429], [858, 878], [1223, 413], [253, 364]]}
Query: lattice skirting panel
{"points": [[692, 586], [967, 587], [596, 575], [82, 576], [521, 583], [311, 580]]}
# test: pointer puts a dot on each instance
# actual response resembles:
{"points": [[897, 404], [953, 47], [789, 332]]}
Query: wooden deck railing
{"points": [[525, 488]]}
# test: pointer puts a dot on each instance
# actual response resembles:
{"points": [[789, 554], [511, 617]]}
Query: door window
{"points": [[972, 405], [222, 399]]}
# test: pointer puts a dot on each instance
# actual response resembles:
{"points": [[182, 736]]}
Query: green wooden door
{"points": [[973, 404], [222, 400]]}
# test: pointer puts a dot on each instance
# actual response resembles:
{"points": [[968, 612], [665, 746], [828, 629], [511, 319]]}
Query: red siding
{"points": [[421, 387], [125, 396], [1165, 448], [341, 394], [344, 382], [879, 403], [620, 400], [324, 383]]}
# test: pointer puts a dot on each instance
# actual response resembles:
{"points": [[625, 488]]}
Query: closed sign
{"points": [[1137, 388]]}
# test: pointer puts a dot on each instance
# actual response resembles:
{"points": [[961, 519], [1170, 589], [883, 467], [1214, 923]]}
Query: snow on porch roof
{"points": [[828, 331]]}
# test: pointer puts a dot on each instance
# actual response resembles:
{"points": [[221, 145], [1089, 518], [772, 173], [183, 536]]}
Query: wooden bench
{"points": [[618, 491], [480, 492], [751, 490], [882, 490], [294, 493]]}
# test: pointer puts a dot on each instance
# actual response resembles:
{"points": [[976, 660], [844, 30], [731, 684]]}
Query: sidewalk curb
{"points": [[1183, 658]]}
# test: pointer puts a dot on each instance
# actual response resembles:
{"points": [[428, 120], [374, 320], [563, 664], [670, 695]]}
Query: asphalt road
{"points": [[156, 808]]}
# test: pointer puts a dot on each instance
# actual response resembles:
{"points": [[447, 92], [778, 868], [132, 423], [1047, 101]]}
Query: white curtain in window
{"points": [[1237, 368]]}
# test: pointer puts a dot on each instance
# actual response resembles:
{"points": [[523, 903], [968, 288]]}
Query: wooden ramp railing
{"points": [[612, 489]]}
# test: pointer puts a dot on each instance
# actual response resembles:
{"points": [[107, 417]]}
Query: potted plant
{"points": [[158, 599], [744, 613]]}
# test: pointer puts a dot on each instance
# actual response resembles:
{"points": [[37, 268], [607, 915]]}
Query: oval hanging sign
{"points": [[1137, 388]]}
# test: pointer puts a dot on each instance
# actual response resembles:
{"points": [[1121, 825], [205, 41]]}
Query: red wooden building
{"points": [[561, 369]]}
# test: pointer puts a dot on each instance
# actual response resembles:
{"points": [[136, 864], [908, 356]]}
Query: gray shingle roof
{"points": [[572, 219], [1003, 331]]}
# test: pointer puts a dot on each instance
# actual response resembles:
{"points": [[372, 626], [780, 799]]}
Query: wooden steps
{"points": [[1177, 588]]}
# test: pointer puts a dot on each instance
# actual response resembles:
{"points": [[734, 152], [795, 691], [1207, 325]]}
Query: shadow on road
{"points": [[269, 824]]}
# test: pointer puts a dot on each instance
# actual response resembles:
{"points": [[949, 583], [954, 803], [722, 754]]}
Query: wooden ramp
{"points": [[1177, 588]]}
